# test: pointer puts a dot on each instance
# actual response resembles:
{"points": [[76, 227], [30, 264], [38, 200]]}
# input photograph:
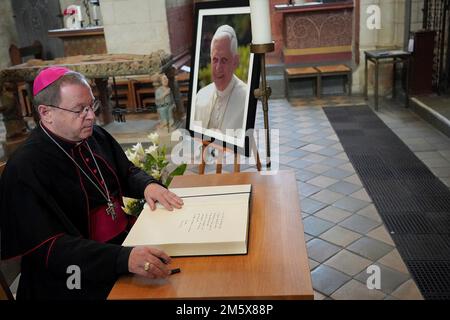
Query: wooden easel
{"points": [[222, 151]]}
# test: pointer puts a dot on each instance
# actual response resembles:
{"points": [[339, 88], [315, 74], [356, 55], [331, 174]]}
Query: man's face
{"points": [[70, 125], [223, 63]]}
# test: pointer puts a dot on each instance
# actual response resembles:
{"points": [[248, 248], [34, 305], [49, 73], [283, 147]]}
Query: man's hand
{"points": [[146, 261], [154, 192]]}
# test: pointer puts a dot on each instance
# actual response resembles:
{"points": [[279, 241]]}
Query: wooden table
{"points": [[276, 266], [394, 57]]}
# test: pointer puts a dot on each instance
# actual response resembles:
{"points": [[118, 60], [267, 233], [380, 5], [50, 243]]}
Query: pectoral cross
{"points": [[110, 211]]}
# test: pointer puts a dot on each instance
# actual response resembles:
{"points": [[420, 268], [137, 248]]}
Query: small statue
{"points": [[164, 102]]}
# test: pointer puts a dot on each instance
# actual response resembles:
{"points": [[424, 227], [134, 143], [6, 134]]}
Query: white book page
{"points": [[188, 192], [210, 219]]}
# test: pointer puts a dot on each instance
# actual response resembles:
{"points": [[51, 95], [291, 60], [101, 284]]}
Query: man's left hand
{"points": [[156, 193]]}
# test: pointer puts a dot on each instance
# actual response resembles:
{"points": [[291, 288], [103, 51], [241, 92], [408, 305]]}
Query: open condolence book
{"points": [[213, 221]]}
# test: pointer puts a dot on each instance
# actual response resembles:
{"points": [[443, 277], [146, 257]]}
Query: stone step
{"points": [[429, 114]]}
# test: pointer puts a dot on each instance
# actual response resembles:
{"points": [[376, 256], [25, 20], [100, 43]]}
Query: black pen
{"points": [[172, 271]]}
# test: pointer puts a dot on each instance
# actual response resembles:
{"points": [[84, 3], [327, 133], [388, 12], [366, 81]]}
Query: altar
{"points": [[96, 67], [314, 32]]}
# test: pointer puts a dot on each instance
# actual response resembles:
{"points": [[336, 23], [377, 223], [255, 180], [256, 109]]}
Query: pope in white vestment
{"points": [[222, 109], [221, 104]]}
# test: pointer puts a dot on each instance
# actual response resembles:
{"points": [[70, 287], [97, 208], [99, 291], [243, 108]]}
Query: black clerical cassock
{"points": [[54, 216]]}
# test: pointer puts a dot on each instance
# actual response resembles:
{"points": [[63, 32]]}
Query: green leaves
{"points": [[179, 171], [153, 161]]}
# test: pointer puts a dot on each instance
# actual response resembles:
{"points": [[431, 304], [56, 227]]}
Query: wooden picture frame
{"points": [[232, 125]]}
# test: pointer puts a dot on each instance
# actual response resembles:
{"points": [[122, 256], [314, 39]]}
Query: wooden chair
{"points": [[9, 270], [17, 56]]}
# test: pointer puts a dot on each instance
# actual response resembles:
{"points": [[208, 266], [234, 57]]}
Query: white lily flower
{"points": [[139, 149], [154, 138], [152, 150], [156, 174]]}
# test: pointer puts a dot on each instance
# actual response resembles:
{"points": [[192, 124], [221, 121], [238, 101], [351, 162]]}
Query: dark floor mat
{"points": [[413, 203]]}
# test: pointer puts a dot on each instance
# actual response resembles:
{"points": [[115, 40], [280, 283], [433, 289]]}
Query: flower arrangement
{"points": [[153, 161]]}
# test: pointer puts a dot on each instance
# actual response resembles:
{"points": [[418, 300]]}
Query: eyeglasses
{"points": [[84, 111]]}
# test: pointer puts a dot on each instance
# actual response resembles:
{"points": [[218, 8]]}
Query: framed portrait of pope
{"points": [[224, 75]]}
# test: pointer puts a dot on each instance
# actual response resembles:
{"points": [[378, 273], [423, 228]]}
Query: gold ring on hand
{"points": [[147, 266]]}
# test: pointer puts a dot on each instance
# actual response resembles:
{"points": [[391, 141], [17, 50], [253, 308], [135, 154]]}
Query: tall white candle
{"points": [[94, 12], [260, 17]]}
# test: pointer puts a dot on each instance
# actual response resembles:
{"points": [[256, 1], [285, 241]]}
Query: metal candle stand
{"points": [[263, 92]]}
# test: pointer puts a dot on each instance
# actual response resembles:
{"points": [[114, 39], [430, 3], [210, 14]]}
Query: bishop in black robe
{"points": [[49, 214]]}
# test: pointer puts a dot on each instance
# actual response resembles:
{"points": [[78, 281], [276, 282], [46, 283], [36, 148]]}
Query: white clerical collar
{"points": [[228, 89]]}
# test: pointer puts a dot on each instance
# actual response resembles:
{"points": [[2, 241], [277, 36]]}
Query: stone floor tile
{"points": [[441, 172], [361, 194], [370, 212], [338, 146], [313, 264], [307, 189], [316, 226], [354, 179], [318, 296], [327, 196], [370, 248], [407, 291], [381, 234], [342, 155], [437, 163], [325, 142], [345, 188], [391, 279], [349, 263], [327, 280], [312, 148], [322, 181], [320, 250], [295, 153], [329, 152], [314, 158], [318, 168], [299, 164], [354, 290], [285, 149], [311, 206], [351, 204], [446, 181], [394, 261], [359, 224], [304, 175], [308, 237], [295, 143], [428, 155], [333, 214], [333, 162], [338, 173], [340, 236], [286, 159], [347, 167]]}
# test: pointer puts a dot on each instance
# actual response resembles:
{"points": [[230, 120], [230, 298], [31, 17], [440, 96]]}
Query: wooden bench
{"points": [[335, 70], [302, 72], [318, 73]]}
